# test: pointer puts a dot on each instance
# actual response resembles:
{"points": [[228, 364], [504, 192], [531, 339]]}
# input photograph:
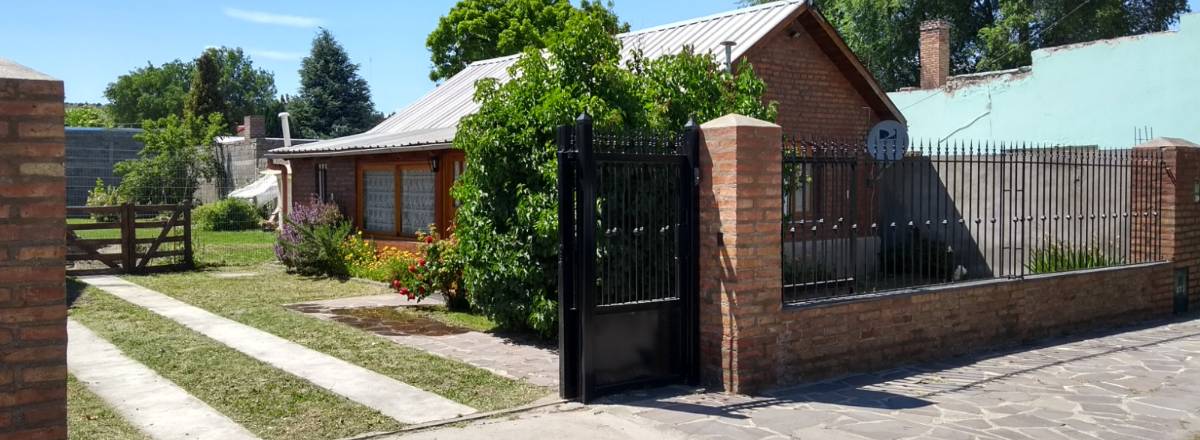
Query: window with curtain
{"points": [[398, 200], [379, 201], [417, 199]]}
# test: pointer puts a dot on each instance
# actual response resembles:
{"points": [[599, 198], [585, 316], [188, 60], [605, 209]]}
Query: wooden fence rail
{"points": [[129, 253]]}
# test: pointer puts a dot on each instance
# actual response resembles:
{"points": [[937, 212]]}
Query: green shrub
{"points": [[1061, 258], [226, 215], [104, 195], [320, 250], [507, 224]]}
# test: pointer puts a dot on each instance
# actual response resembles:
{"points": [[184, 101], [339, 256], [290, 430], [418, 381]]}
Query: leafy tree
{"points": [[205, 96], [88, 116], [175, 157], [150, 92], [986, 35], [334, 101], [154, 92], [507, 224], [476, 30]]}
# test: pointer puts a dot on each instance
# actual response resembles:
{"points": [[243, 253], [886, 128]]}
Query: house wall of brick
{"points": [[340, 181], [750, 341], [33, 333], [815, 97]]}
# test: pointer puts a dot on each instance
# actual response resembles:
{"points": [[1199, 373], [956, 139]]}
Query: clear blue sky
{"points": [[88, 44]]}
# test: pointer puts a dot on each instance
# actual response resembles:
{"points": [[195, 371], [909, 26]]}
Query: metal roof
{"points": [[433, 119]]}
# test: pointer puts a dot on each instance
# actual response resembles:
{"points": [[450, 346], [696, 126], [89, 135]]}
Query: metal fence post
{"points": [[690, 267], [568, 313], [586, 236]]}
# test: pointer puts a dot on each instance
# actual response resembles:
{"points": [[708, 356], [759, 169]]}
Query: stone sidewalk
{"points": [[1143, 383]]}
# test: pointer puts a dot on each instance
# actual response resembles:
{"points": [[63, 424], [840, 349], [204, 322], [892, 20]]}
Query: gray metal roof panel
{"points": [[445, 105]]}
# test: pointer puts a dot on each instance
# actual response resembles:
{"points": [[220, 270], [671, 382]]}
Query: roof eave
{"points": [[360, 151]]}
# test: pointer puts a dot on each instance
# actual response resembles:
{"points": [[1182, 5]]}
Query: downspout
{"points": [[284, 184]]}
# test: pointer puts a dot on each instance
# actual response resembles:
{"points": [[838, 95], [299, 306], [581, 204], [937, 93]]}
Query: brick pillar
{"points": [[1180, 228], [33, 333], [740, 276]]}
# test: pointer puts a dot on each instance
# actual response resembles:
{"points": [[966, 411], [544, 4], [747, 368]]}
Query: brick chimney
{"points": [[253, 127], [935, 53]]}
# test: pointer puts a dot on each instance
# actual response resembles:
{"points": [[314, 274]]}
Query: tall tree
{"points": [[154, 92], [476, 30], [334, 101], [205, 96], [986, 34]]}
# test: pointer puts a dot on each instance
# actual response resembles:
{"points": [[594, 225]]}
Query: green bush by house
{"points": [[226, 215]]}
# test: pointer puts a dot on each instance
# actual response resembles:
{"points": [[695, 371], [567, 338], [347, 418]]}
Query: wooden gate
{"points": [[113, 244]]}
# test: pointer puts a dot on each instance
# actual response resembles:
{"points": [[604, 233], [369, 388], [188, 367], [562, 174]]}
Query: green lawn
{"points": [[89, 418], [269, 402], [258, 301]]}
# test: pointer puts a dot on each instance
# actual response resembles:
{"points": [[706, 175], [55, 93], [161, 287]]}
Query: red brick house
{"points": [[394, 179]]}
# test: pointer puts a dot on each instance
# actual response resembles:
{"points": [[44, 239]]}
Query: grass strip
{"points": [[269, 402], [90, 418], [258, 301]]}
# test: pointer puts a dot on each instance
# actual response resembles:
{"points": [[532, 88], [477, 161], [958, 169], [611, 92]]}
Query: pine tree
{"points": [[333, 101], [205, 96]]}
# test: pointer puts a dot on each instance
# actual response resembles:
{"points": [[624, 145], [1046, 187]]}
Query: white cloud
{"points": [[275, 19], [276, 55]]}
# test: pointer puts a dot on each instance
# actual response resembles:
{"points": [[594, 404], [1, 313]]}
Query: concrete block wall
{"points": [[91, 154], [750, 341], [33, 337]]}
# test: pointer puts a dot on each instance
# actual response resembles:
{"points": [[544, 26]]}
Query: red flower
{"points": [[412, 268], [429, 239], [404, 291], [421, 262], [421, 289], [396, 284], [411, 297]]}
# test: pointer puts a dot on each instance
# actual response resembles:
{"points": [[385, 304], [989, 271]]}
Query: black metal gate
{"points": [[627, 221]]}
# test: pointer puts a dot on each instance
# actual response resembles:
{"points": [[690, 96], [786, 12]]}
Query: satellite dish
{"points": [[887, 141]]}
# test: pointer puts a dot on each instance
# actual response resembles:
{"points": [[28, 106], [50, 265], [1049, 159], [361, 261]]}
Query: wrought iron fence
{"points": [[944, 213]]}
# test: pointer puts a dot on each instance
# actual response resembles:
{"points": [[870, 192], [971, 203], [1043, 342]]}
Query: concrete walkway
{"points": [[393, 398], [521, 359], [149, 402], [1143, 383]]}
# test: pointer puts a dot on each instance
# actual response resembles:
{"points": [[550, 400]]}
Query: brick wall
{"points": [[750, 341], [32, 247], [340, 180], [814, 96]]}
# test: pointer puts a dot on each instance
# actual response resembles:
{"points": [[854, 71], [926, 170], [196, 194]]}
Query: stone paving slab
{"points": [[393, 398], [515, 358], [1140, 384], [149, 402]]}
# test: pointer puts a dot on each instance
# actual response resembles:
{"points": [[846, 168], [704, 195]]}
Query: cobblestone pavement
{"points": [[1139, 384], [512, 357]]}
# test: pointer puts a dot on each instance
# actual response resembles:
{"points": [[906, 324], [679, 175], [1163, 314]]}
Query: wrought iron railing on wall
{"points": [[856, 222]]}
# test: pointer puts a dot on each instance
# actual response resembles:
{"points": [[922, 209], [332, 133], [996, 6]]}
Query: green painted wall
{"points": [[1083, 94]]}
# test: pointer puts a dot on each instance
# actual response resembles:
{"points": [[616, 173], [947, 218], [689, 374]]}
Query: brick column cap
{"points": [[1163, 142], [736, 120]]}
